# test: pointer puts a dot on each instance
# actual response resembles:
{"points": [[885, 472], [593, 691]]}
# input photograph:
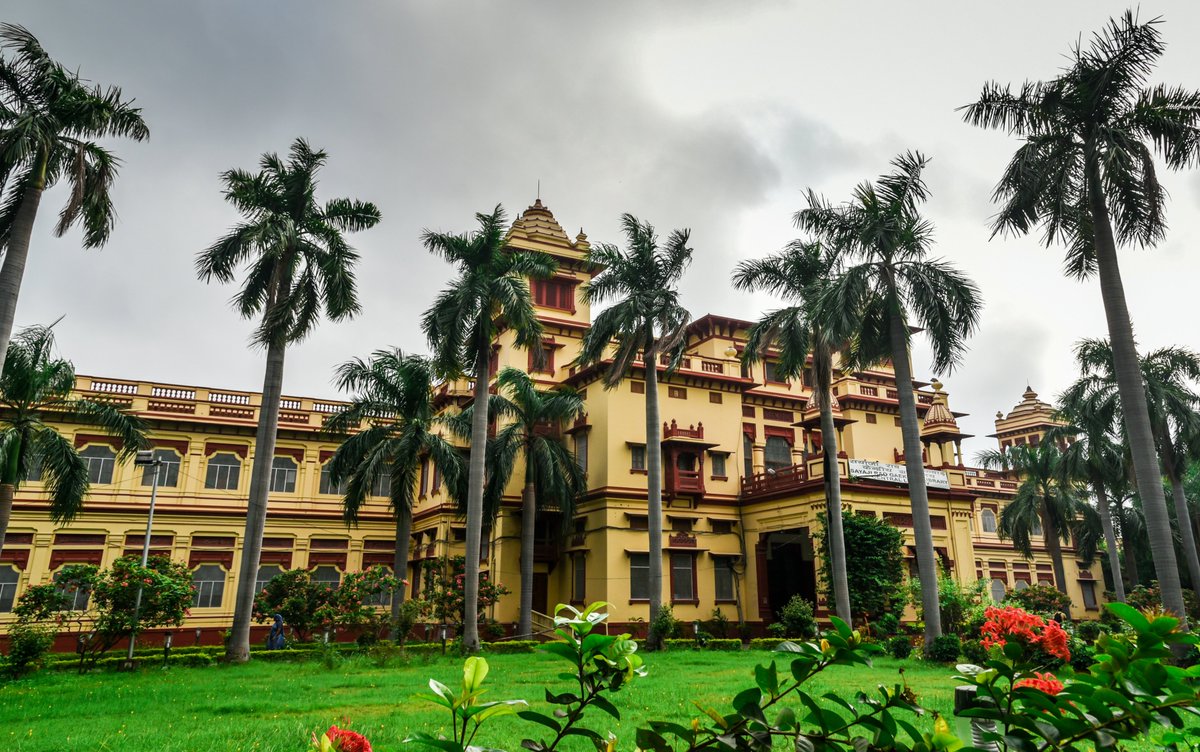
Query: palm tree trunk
{"points": [[1130, 550], [1183, 519], [1110, 540], [400, 569], [918, 494], [1135, 410], [238, 649], [1050, 533], [835, 540], [6, 505], [528, 525], [17, 252], [477, 468], [654, 493]]}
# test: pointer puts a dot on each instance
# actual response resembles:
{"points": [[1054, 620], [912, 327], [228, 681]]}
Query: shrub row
{"points": [[710, 644]]}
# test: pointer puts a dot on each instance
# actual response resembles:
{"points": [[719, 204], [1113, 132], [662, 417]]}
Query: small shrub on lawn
{"points": [[796, 619], [944, 649], [974, 652], [27, 648], [1089, 631], [900, 647]]}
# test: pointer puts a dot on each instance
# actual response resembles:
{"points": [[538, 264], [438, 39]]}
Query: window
{"points": [[383, 597], [554, 293], [718, 464], [778, 454], [807, 377], [100, 462], [578, 578], [77, 597], [676, 392], [637, 459], [639, 577], [1088, 588], [34, 471], [328, 576], [639, 522], [1045, 583], [1021, 585], [327, 484], [747, 456], [871, 418], [999, 590], [723, 577], [683, 567], [721, 527], [283, 475], [896, 420], [988, 518], [9, 577], [581, 450], [681, 525], [265, 575], [223, 472], [1037, 526], [382, 485], [714, 397], [771, 370], [209, 580], [168, 469], [547, 365], [424, 478], [637, 387]]}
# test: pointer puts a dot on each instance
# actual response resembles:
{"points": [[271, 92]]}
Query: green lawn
{"points": [[275, 706]]}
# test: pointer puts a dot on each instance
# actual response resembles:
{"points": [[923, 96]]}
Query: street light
{"points": [[145, 458]]}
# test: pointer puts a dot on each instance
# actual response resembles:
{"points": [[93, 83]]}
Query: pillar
{"points": [[758, 463]]}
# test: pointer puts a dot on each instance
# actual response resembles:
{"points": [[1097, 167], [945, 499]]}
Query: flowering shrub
{"points": [[1047, 683], [1032, 632], [308, 606], [107, 617], [1040, 599], [444, 589], [340, 740]]}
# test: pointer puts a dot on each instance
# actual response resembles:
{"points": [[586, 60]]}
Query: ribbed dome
{"points": [[939, 418], [1030, 404]]}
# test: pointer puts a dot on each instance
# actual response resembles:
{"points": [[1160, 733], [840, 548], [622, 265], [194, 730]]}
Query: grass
{"points": [[276, 706]]}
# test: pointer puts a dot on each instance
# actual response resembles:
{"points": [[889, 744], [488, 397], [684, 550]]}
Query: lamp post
{"points": [[145, 458]]}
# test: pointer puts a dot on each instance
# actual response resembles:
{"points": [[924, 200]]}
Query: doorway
{"points": [[791, 569], [541, 592]]}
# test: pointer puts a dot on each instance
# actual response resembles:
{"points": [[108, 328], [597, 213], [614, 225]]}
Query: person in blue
{"points": [[275, 637]]}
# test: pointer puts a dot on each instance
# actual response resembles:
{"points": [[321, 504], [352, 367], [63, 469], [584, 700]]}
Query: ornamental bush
{"points": [[944, 649], [28, 645], [309, 606], [444, 592], [874, 568], [1149, 598], [796, 620], [900, 647], [1040, 599]]}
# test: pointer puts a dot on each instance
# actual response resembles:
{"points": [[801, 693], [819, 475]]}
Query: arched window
{"points": [[1037, 526], [328, 575], [77, 598], [778, 454], [100, 461], [265, 575], [382, 485], [988, 518], [999, 590], [327, 484], [747, 456], [283, 475], [9, 577], [1021, 585], [383, 597], [209, 580], [168, 469], [223, 471]]}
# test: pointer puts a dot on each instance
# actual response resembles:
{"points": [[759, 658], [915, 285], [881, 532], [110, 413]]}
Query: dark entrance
{"points": [[541, 592], [790, 567]]}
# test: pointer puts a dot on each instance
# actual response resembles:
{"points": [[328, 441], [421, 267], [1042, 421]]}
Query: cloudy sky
{"points": [[707, 115]]}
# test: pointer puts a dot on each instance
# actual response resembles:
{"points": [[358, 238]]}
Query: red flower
{"points": [[1047, 683], [1010, 623], [346, 740]]}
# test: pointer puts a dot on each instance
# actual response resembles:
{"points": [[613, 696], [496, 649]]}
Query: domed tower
{"points": [[1026, 423], [940, 433]]}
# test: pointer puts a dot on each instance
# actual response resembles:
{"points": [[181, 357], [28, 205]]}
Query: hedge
{"points": [[711, 644], [512, 646]]}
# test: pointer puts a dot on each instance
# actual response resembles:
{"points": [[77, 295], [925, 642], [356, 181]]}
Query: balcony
{"points": [[774, 481], [673, 430]]}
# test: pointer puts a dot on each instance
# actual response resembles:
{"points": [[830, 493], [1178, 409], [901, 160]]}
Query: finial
{"points": [[937, 385], [999, 415]]}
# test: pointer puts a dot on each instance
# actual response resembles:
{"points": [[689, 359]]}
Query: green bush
{"points": [[874, 567], [512, 646], [777, 631], [665, 625], [1089, 631], [1042, 600], [944, 649], [709, 644], [286, 655], [718, 625], [28, 645], [974, 652], [899, 647], [764, 643], [886, 625], [797, 619]]}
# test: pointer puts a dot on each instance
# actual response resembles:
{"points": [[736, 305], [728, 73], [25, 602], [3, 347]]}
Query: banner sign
{"points": [[888, 473]]}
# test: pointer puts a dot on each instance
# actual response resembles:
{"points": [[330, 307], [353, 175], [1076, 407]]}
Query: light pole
{"points": [[145, 458]]}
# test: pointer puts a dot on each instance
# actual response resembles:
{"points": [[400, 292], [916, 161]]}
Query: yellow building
{"points": [[743, 489]]}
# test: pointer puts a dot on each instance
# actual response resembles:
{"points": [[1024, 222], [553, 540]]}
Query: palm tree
{"points": [[882, 242], [1086, 165], [645, 319], [492, 288], [1173, 419], [35, 392], [800, 273], [393, 396], [1093, 457], [1046, 499], [299, 266], [533, 422], [50, 119]]}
